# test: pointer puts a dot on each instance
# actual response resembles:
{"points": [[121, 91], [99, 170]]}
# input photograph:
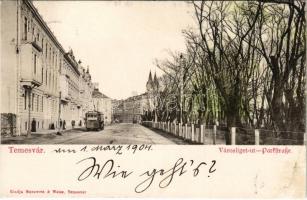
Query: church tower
{"points": [[155, 83], [149, 83]]}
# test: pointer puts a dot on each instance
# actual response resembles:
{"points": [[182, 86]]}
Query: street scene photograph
{"points": [[153, 72]]}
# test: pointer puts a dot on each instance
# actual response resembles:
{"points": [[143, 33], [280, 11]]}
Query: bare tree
{"points": [[281, 31]]}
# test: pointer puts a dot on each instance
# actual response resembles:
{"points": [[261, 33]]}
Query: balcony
{"points": [[30, 39], [30, 67], [37, 46], [30, 83]]}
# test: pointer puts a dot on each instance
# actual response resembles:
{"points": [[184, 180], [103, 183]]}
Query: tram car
{"points": [[94, 120]]}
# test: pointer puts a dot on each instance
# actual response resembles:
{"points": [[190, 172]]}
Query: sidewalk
{"points": [[44, 134], [48, 131]]}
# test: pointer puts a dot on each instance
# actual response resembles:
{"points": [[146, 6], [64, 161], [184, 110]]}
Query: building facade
{"points": [[131, 109], [69, 84], [40, 82], [30, 68], [134, 108], [102, 103], [86, 89]]}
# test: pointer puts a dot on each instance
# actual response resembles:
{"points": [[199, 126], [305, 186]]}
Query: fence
{"points": [[194, 133], [212, 134]]}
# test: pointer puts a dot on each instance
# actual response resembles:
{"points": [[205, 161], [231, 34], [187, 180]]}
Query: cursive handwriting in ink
{"points": [[94, 169], [212, 170], [144, 185], [60, 150], [106, 170], [167, 175]]}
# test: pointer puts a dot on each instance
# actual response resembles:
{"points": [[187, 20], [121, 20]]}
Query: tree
{"points": [[281, 31]]}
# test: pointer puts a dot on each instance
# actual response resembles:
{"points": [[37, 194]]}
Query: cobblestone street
{"points": [[114, 134]]}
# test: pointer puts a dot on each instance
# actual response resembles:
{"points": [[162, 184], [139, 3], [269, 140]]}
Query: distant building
{"points": [[135, 107], [129, 110], [102, 103], [86, 88]]}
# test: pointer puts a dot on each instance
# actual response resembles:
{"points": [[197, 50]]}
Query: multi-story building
{"points": [[131, 109], [69, 84], [86, 88], [32, 64], [102, 103], [32, 57]]}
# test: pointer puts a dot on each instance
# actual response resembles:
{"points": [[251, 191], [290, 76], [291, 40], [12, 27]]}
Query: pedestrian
{"points": [[73, 123], [61, 123], [33, 125], [64, 125]]}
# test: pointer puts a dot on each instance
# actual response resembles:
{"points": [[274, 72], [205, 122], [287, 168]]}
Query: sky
{"points": [[119, 41]]}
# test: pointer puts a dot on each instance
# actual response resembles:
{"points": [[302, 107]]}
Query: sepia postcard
{"points": [[146, 99]]}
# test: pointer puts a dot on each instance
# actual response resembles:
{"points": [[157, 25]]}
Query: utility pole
{"points": [[59, 116], [29, 112]]}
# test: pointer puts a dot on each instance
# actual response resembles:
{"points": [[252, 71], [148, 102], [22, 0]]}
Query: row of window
{"points": [[49, 52], [36, 102], [48, 79]]}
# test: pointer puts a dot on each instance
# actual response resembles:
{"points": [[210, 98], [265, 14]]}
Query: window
{"points": [[56, 83], [49, 78], [46, 51], [46, 79], [49, 54], [35, 59], [43, 44], [42, 105], [25, 99], [60, 65], [25, 28], [37, 103], [53, 82], [42, 75], [32, 102], [33, 36], [26, 125]]}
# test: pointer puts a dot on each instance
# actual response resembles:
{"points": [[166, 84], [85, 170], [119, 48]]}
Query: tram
{"points": [[94, 120]]}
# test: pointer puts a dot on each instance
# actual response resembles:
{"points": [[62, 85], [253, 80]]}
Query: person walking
{"points": [[73, 124], [61, 124]]}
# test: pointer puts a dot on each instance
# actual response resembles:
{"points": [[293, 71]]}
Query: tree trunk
{"points": [[232, 115], [277, 107]]}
